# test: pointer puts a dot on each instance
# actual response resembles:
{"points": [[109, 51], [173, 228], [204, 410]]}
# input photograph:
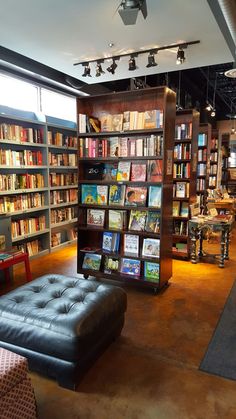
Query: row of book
{"points": [[27, 226], [23, 134], [63, 214], [182, 151], [128, 120], [214, 143], [201, 169], [61, 139], [132, 245], [21, 202], [202, 154], [121, 195], [64, 159], [180, 247], [144, 270], [121, 219], [201, 184], [32, 247], [181, 170], [180, 228], [58, 238], [212, 181], [64, 196], [181, 190], [121, 146], [214, 156], [213, 169], [14, 182], [21, 158], [63, 179], [180, 209], [183, 131], [202, 140]]}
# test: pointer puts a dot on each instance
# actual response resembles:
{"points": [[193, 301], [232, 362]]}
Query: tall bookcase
{"points": [[109, 161], [214, 156], [184, 178], [203, 167], [26, 186], [225, 140]]}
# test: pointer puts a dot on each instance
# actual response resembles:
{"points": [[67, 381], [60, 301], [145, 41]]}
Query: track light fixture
{"points": [[132, 64]]}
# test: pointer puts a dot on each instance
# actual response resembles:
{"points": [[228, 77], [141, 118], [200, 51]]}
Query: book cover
{"points": [[131, 244], [153, 222], [184, 212], [117, 122], [180, 189], [102, 194], [105, 121], [155, 169], [151, 248], [136, 196], [130, 266], [116, 195], [116, 219], [109, 171], [138, 172], [126, 120], [123, 147], [150, 119], [114, 146], [95, 217], [111, 265], [151, 271], [89, 194], [5, 256], [107, 241], [137, 220], [95, 124], [123, 170], [154, 196], [176, 208], [92, 261]]}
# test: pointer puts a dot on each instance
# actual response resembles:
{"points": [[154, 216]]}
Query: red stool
{"points": [[8, 263]]}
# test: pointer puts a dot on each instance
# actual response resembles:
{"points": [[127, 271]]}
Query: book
{"points": [[114, 146], [94, 171], [151, 271], [126, 120], [116, 219], [154, 196], [153, 222], [107, 241], [102, 194], [176, 208], [123, 170], [95, 124], [130, 266], [5, 256], [109, 171], [138, 172], [137, 220], [180, 190], [89, 194], [131, 244], [116, 195], [184, 211], [155, 170], [117, 122], [151, 247], [111, 265], [135, 196], [105, 121], [123, 147], [95, 217], [92, 261]]}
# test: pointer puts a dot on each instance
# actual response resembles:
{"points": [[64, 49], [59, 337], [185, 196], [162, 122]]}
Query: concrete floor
{"points": [[151, 371]]}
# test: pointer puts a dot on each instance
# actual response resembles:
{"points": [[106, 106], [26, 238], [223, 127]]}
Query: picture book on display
{"points": [[137, 220], [92, 261], [131, 244], [102, 194], [176, 208], [151, 271], [110, 241], [136, 196], [109, 171], [184, 212], [151, 247], [123, 171], [111, 265], [155, 169], [114, 146], [130, 267], [138, 172], [89, 194], [95, 217], [117, 195], [116, 219], [154, 196], [153, 222]]}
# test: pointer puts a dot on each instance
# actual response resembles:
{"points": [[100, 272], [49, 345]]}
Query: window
{"points": [[18, 94], [58, 105]]}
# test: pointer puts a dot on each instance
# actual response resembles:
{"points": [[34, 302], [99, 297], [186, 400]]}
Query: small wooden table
{"points": [[198, 226], [226, 204], [16, 258]]}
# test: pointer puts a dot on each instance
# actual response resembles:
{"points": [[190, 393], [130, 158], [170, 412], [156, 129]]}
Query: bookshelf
{"points": [[203, 167], [184, 178], [26, 177], [214, 157], [225, 141], [116, 222]]}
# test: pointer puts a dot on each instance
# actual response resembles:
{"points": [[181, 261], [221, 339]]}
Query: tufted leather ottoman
{"points": [[61, 324]]}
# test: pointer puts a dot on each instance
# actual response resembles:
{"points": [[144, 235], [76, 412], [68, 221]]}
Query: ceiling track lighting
{"points": [[132, 64]]}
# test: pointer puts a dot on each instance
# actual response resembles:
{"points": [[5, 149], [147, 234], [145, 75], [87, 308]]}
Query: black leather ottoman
{"points": [[61, 324]]}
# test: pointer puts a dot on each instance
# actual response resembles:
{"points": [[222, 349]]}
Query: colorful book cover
{"points": [[180, 189], [130, 266], [153, 222], [114, 147], [102, 194], [111, 264], [151, 248], [107, 241], [131, 244], [110, 171], [95, 217], [138, 172], [116, 195], [105, 121], [151, 271], [137, 220], [154, 196], [89, 194], [176, 208], [155, 169], [136, 196], [92, 261], [123, 171], [116, 219], [184, 212]]}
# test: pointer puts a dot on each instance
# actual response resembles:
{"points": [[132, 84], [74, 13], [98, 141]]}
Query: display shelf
{"points": [[203, 168]]}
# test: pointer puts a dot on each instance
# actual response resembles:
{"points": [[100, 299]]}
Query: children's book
{"points": [[136, 196], [95, 217], [130, 267], [116, 219], [151, 248], [131, 244], [180, 189], [153, 222], [89, 194], [102, 194], [154, 196], [155, 169], [138, 172], [151, 271], [184, 212], [176, 208], [114, 146], [92, 261], [123, 171], [117, 195], [107, 241], [111, 265], [137, 220], [110, 171]]}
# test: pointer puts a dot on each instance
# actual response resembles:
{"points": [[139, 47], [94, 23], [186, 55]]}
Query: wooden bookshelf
{"points": [[203, 167], [214, 159], [135, 149], [225, 150], [184, 178]]}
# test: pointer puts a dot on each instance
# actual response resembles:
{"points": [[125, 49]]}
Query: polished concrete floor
{"points": [[152, 370]]}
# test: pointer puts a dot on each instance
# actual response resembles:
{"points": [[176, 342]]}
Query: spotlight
{"points": [[208, 107], [132, 64], [87, 71], [112, 67], [129, 10], [99, 70], [213, 113], [151, 60], [180, 56]]}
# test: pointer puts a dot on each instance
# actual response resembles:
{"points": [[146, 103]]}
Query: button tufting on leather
{"points": [[52, 280], [18, 299], [56, 295], [71, 285]]}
